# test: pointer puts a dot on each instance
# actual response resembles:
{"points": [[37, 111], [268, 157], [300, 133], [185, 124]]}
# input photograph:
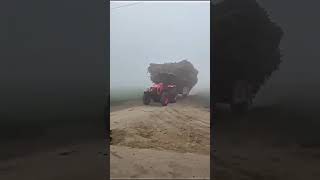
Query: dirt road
{"points": [[160, 142]]}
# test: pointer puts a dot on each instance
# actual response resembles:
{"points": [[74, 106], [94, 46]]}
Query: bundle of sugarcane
{"points": [[184, 72]]}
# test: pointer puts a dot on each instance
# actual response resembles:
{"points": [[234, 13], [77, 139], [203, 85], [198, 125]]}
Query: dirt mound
{"points": [[176, 128], [161, 142]]}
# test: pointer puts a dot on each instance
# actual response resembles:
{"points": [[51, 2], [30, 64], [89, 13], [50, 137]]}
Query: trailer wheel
{"points": [[185, 91], [173, 99]]}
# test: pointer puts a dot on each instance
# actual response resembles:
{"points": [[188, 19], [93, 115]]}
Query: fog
{"points": [[298, 78], [157, 32]]}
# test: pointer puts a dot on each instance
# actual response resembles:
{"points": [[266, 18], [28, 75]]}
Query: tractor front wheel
{"points": [[164, 99]]}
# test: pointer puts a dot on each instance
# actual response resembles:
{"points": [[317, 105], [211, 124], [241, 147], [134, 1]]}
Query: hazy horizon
{"points": [[157, 32]]}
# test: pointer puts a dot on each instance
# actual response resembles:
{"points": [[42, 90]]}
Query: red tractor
{"points": [[164, 92]]}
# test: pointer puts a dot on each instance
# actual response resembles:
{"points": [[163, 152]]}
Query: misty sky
{"points": [[157, 32]]}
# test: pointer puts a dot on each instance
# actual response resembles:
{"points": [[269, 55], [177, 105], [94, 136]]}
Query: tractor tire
{"points": [[173, 100], [164, 99], [173, 95], [146, 99], [156, 99]]}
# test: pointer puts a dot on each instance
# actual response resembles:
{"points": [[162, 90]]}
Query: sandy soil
{"points": [[160, 142]]}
